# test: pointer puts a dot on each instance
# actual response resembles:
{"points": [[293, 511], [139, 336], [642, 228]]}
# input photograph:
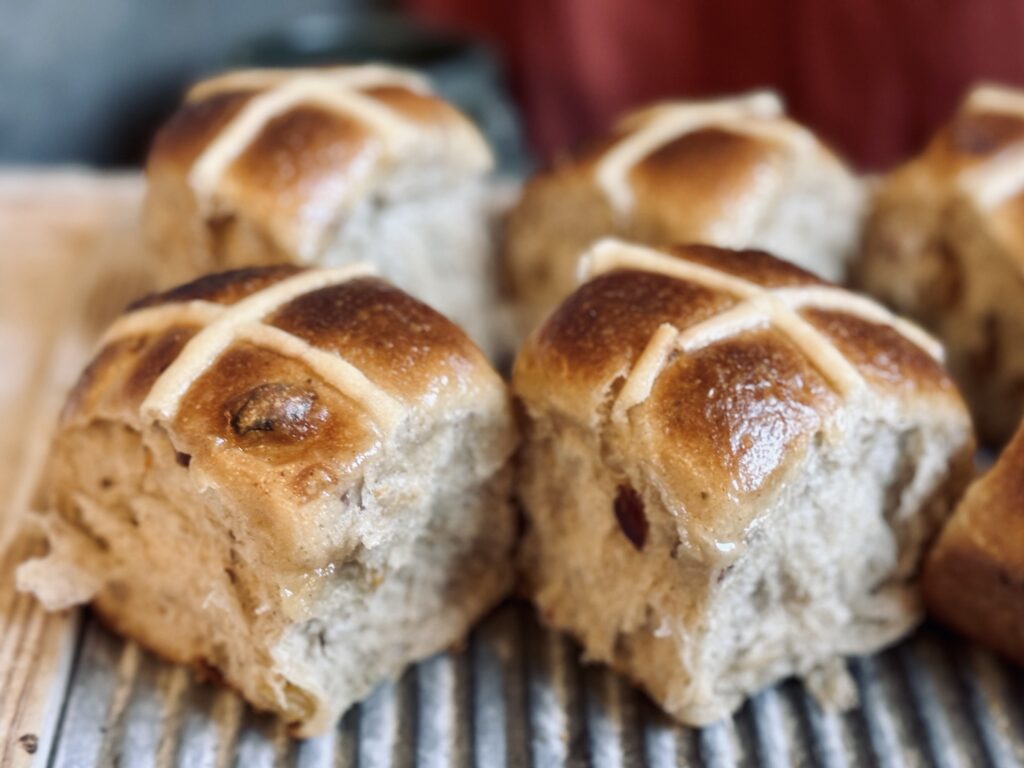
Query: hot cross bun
{"points": [[296, 478], [326, 167], [944, 244], [730, 471], [735, 173], [974, 578]]}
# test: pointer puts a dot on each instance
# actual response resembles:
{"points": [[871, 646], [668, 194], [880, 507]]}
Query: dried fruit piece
{"points": [[286, 410], [629, 511]]}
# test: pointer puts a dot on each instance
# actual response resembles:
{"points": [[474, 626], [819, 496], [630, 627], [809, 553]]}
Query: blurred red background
{"points": [[874, 77]]}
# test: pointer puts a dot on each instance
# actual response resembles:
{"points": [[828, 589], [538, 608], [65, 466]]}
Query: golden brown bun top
{"points": [[974, 576], [992, 512], [989, 120], [293, 149], [723, 365], [281, 381], [686, 164], [979, 155]]}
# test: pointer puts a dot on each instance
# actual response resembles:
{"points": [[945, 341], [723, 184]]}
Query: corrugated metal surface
{"points": [[515, 695]]}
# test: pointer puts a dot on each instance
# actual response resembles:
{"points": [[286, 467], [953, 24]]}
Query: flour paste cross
{"points": [[757, 114], [758, 307], [243, 321]]}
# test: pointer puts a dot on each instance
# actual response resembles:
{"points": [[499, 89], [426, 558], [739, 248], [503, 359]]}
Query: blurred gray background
{"points": [[89, 82]]}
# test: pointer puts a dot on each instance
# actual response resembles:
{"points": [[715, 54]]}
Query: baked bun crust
{"points": [[944, 243], [730, 470], [735, 173], [326, 167], [974, 578], [296, 478]]}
